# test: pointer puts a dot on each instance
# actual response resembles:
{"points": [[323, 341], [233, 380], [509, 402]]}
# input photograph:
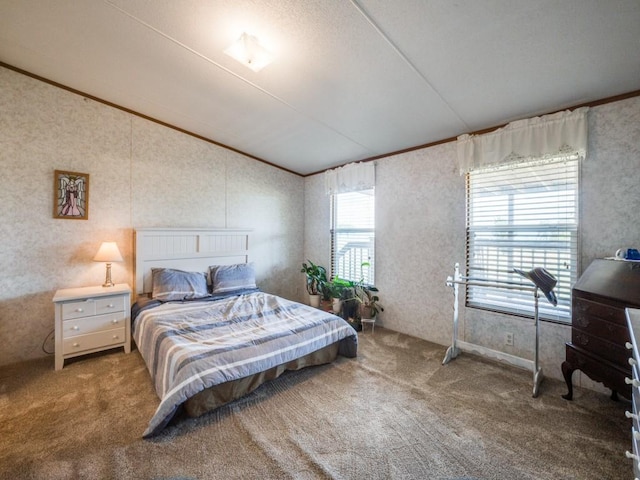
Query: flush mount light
{"points": [[248, 51]]}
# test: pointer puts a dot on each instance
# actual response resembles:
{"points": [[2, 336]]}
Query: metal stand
{"points": [[457, 345]]}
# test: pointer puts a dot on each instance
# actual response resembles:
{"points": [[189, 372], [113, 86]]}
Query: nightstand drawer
{"points": [[93, 306], [99, 323], [82, 308], [112, 304], [90, 341]]}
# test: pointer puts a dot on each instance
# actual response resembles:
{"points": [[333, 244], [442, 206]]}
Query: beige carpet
{"points": [[394, 412]]}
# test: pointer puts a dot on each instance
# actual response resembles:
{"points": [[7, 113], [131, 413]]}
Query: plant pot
{"points": [[365, 311], [336, 305], [314, 300], [356, 324]]}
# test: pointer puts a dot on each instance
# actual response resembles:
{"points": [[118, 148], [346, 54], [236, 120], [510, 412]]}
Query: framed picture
{"points": [[70, 195]]}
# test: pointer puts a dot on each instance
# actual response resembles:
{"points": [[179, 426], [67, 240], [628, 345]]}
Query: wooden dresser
{"points": [[599, 329], [633, 321]]}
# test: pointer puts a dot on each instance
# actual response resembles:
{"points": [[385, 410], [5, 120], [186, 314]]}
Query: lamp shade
{"points": [[108, 252]]}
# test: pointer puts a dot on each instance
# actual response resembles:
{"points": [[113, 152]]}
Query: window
{"points": [[523, 216], [353, 235]]}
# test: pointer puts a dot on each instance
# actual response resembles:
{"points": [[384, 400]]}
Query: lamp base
{"points": [[107, 280]]}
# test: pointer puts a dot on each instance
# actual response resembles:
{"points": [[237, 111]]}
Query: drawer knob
{"points": [[630, 381], [628, 414], [628, 345], [628, 454], [75, 327], [79, 310], [115, 337], [114, 321], [636, 435], [110, 305], [76, 344], [632, 361]]}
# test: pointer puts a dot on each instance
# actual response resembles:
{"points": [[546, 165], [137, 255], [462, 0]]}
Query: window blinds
{"points": [[353, 235], [523, 216]]}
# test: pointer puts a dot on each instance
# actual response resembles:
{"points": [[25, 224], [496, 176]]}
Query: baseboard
{"points": [[496, 355]]}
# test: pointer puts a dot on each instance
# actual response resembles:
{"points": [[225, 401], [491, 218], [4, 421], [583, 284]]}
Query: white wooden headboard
{"points": [[191, 249]]}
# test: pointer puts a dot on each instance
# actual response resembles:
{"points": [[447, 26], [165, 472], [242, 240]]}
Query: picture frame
{"points": [[70, 195]]}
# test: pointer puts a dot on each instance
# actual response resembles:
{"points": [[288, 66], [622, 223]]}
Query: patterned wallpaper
{"points": [[420, 216], [141, 175]]}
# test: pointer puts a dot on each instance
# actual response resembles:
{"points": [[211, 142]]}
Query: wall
{"points": [[141, 175], [420, 225]]}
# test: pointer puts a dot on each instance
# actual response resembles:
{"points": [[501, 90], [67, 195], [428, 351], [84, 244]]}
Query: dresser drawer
{"points": [[90, 341], [614, 352], [98, 323], [588, 309], [613, 332], [599, 369]]}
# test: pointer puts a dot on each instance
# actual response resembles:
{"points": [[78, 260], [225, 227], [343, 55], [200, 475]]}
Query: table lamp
{"points": [[108, 252]]}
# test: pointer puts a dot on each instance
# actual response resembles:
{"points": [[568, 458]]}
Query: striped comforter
{"points": [[195, 345]]}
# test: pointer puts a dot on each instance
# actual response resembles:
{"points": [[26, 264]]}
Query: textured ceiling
{"points": [[351, 79]]}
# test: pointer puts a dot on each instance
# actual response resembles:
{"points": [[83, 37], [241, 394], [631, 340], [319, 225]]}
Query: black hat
{"points": [[543, 280]]}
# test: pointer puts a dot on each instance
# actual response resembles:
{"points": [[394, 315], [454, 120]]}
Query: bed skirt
{"points": [[218, 395]]}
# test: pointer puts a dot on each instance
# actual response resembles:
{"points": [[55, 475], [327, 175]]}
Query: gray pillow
{"points": [[171, 285], [226, 278]]}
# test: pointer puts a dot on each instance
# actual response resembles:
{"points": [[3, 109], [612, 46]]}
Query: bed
{"points": [[207, 334]]}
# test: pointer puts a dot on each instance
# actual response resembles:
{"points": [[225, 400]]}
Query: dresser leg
{"points": [[567, 372]]}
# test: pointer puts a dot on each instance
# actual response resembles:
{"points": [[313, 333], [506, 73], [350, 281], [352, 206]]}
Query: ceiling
{"points": [[351, 80]]}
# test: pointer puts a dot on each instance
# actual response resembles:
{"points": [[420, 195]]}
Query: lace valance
{"points": [[562, 133], [350, 178]]}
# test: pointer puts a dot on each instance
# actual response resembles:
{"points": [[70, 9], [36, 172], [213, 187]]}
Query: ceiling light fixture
{"points": [[248, 51]]}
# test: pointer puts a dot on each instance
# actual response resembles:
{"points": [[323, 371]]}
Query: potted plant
{"points": [[316, 282], [335, 290], [370, 305], [361, 301], [351, 306]]}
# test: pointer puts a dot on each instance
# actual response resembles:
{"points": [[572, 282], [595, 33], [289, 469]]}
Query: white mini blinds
{"points": [[522, 208], [352, 221], [353, 236], [523, 216]]}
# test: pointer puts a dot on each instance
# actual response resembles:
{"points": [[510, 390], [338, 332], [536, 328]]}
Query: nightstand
{"points": [[91, 319]]}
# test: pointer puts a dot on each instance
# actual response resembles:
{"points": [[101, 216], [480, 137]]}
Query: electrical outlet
{"points": [[508, 339]]}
